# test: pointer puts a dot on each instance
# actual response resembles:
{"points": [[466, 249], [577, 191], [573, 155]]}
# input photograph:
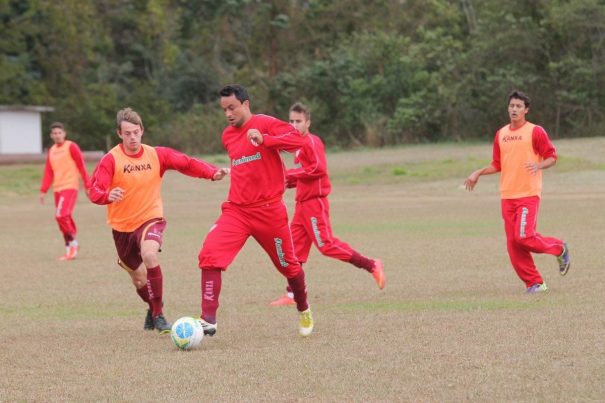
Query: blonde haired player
{"points": [[128, 180]]}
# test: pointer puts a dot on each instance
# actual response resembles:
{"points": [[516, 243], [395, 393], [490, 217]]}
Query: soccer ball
{"points": [[187, 333]]}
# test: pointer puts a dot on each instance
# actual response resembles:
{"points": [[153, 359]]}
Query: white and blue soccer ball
{"points": [[187, 333]]}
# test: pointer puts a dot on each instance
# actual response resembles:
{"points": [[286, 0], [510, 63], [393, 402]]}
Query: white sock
{"points": [[73, 243], [290, 295]]}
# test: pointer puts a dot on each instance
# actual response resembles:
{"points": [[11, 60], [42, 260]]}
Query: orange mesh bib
{"points": [[65, 171], [140, 178], [516, 148]]}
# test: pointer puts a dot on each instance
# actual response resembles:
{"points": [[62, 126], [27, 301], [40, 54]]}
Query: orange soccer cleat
{"points": [[378, 274], [71, 253], [283, 300]]}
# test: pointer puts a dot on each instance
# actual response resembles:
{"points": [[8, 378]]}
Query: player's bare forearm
{"points": [[473, 178], [534, 167]]}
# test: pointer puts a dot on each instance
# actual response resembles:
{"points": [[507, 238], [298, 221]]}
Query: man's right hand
{"points": [[115, 195]]}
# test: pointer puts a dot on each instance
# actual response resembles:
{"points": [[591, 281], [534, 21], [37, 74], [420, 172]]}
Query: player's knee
{"points": [[291, 271], [150, 258], [523, 240], [325, 249]]}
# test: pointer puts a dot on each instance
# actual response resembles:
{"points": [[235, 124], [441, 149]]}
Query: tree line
{"points": [[375, 73]]}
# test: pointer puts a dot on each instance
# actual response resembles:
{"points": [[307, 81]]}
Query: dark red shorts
{"points": [[128, 244]]}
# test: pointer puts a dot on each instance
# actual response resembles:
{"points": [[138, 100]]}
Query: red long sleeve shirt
{"points": [[169, 159], [311, 177], [49, 174], [258, 172]]}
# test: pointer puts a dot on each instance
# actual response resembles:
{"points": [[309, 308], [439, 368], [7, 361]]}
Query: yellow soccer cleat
{"points": [[305, 326]]}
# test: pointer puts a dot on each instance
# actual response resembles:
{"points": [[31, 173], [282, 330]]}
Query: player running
{"points": [[64, 166], [311, 222], [521, 151], [128, 180]]}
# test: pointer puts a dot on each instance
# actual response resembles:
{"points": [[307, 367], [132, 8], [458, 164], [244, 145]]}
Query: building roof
{"points": [[26, 108]]}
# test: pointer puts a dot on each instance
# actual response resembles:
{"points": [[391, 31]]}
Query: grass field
{"points": [[453, 323]]}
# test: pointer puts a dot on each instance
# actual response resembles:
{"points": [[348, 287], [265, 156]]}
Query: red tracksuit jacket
{"points": [[311, 177], [258, 172]]}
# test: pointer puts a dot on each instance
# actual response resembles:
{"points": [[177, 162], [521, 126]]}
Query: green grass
{"points": [[576, 164], [413, 171], [20, 180], [440, 169]]}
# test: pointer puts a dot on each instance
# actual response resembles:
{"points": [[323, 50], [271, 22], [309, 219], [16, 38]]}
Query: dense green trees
{"points": [[376, 73]]}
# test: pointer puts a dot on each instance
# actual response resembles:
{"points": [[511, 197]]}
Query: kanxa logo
{"points": [[128, 168], [508, 138]]}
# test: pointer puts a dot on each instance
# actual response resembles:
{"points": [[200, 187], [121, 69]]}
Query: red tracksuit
{"points": [[63, 165], [311, 222], [254, 207], [520, 194]]}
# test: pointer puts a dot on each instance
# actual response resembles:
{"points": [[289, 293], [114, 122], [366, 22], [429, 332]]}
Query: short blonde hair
{"points": [[130, 116]]}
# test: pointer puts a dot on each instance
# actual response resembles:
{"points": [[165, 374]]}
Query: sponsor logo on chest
{"points": [[129, 168], [509, 137], [245, 159]]}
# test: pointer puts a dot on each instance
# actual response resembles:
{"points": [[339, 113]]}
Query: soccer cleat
{"points": [[378, 274], [160, 323], [70, 254], [209, 328], [305, 326], [64, 257], [148, 321], [283, 300], [564, 261], [537, 288]]}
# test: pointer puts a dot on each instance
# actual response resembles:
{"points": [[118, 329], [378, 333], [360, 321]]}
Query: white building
{"points": [[21, 129]]}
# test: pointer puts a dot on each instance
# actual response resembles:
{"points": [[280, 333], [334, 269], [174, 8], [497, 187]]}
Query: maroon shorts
{"points": [[128, 244]]}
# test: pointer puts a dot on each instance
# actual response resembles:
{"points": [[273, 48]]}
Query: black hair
{"points": [[516, 94], [240, 92]]}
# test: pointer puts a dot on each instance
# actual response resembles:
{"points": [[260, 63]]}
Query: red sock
{"points": [[154, 287], [210, 289], [144, 294], [362, 262], [299, 288]]}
